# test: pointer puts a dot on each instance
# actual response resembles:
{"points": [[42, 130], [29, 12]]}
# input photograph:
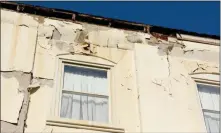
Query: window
{"points": [[209, 97], [85, 93], [81, 96]]}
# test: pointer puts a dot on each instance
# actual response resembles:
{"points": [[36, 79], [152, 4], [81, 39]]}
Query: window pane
{"points": [[84, 107], [66, 105], [85, 79], [212, 122], [209, 96], [98, 109]]}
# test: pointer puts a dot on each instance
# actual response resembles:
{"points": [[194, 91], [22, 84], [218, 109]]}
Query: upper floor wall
{"points": [[21, 32], [33, 45]]}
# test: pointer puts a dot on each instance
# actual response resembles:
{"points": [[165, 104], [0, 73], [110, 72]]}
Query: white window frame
{"points": [[201, 80], [86, 93], [54, 118]]}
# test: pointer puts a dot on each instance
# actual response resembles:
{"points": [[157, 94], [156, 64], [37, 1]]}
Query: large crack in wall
{"points": [[56, 37], [27, 85], [166, 50], [23, 80]]}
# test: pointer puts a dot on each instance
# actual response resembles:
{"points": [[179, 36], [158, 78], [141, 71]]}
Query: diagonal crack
{"points": [[176, 80], [159, 84], [36, 42], [184, 78], [199, 66]]}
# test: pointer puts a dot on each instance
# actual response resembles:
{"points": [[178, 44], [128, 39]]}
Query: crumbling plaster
{"points": [[13, 105], [152, 75], [166, 99], [17, 45], [39, 107], [15, 99]]}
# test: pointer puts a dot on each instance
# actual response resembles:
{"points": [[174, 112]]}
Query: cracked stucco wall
{"points": [[168, 95], [14, 98], [153, 90]]}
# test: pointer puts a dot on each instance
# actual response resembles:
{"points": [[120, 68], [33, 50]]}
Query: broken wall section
{"points": [[14, 100], [31, 46], [37, 41], [167, 94], [19, 32], [197, 58], [56, 38], [165, 83]]}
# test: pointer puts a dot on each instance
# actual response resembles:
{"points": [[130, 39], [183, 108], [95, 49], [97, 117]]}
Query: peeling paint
{"points": [[45, 31], [163, 68], [81, 36], [43, 81], [21, 77], [63, 46], [12, 87], [134, 39], [56, 35], [25, 89], [39, 19]]}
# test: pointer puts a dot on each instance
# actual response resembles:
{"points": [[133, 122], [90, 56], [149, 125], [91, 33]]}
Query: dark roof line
{"points": [[115, 23]]}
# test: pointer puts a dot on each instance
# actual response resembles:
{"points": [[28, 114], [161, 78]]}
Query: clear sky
{"points": [[200, 17]]}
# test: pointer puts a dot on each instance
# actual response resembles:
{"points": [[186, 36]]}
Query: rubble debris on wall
{"points": [[17, 98], [49, 38], [15, 83], [19, 86]]}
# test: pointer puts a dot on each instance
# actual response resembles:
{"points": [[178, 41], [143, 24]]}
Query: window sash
{"points": [[78, 107], [211, 111], [211, 124], [90, 78], [211, 120], [209, 96], [85, 93], [85, 65]]}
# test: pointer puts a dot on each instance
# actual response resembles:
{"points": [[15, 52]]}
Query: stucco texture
{"points": [[151, 84]]}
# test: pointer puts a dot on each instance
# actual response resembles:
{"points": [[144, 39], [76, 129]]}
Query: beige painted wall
{"points": [[168, 96], [152, 90]]}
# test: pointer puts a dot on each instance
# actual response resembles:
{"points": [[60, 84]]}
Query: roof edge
{"points": [[114, 23], [209, 41]]}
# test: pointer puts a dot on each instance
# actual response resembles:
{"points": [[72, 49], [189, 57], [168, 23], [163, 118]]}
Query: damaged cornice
{"points": [[114, 23], [191, 38]]}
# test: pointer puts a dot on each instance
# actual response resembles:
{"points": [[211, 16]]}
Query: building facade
{"points": [[69, 72]]}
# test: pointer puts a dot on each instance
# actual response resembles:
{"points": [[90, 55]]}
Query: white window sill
{"points": [[80, 124]]}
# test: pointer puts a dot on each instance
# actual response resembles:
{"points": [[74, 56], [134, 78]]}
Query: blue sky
{"points": [[200, 17]]}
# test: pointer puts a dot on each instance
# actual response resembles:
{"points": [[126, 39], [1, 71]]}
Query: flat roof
{"points": [[98, 20]]}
